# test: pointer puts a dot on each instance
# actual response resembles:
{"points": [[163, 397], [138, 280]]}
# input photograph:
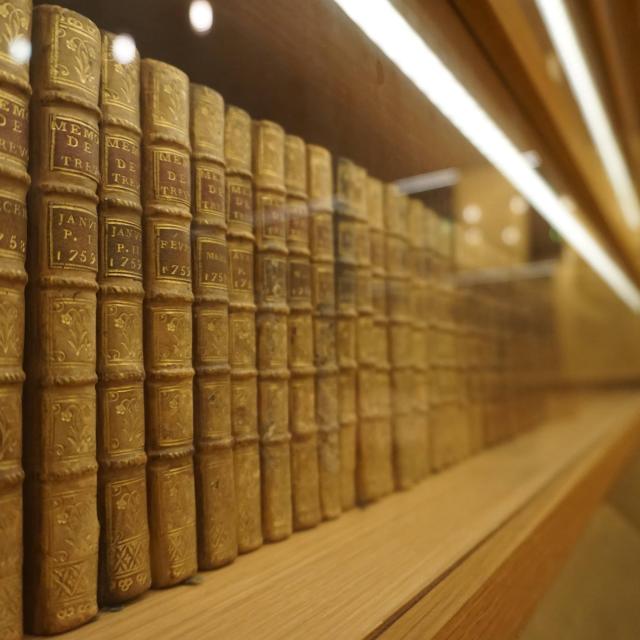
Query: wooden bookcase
{"points": [[466, 554]]}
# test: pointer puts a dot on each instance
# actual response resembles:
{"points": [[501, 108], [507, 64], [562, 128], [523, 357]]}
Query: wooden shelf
{"points": [[465, 554]]}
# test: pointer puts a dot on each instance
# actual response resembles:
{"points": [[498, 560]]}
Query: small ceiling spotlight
{"points": [[201, 16]]}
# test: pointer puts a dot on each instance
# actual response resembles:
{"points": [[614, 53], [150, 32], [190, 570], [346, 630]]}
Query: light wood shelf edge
{"points": [[492, 592], [436, 560]]}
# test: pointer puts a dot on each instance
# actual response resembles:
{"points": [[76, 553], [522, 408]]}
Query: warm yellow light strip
{"points": [[566, 43], [393, 35]]}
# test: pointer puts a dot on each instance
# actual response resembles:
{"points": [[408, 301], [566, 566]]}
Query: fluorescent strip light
{"points": [[529, 271], [393, 35], [446, 177], [428, 181], [565, 40]]}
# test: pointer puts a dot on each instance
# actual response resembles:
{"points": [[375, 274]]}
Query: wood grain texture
{"points": [[351, 577], [493, 591]]}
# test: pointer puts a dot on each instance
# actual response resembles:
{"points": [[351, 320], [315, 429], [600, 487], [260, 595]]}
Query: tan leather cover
{"points": [[61, 526], [400, 330], [380, 387], [324, 327], [242, 338], [124, 570], [371, 465], [215, 484], [346, 222], [419, 314], [14, 181], [305, 492], [443, 353], [166, 189], [271, 329]]}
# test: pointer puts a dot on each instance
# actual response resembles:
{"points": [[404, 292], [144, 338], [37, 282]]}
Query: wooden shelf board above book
{"points": [[306, 66], [477, 542]]}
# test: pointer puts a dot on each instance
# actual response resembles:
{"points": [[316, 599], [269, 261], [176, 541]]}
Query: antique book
{"points": [[14, 182], [271, 328], [433, 339], [215, 484], [124, 570], [346, 222], [474, 364], [320, 177], [460, 323], [405, 449], [242, 338], [305, 493], [438, 339], [443, 371], [491, 374], [419, 315], [370, 444], [381, 383], [455, 406], [61, 524], [166, 191]]}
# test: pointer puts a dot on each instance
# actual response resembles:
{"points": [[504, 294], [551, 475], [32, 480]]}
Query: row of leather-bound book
{"points": [[229, 337]]}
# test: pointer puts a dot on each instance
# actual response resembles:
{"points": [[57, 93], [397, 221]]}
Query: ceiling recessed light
{"points": [[518, 205], [511, 236], [472, 214], [201, 16]]}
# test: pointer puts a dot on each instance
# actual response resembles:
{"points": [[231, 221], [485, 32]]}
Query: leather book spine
{"points": [[305, 492], [215, 483], [380, 385], [166, 191], [369, 451], [61, 524], [400, 332], [433, 339], [463, 421], [439, 339], [124, 571], [419, 310], [323, 303], [487, 369], [474, 299], [346, 221], [457, 432], [242, 336], [435, 276], [271, 329], [14, 182], [443, 369]]}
